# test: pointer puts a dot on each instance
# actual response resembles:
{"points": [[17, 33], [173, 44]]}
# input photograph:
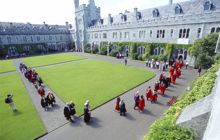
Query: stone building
{"points": [[44, 37], [176, 23]]}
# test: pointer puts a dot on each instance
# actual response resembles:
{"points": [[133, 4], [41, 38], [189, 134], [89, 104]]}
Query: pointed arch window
{"points": [[178, 9], [156, 13], [208, 6]]}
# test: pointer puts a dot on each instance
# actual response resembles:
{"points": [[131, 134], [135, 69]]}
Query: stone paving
{"points": [[106, 124], [52, 118]]}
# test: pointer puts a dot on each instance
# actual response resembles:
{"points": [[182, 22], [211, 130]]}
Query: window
{"points": [[163, 34], [96, 35], [218, 30], [141, 50], [101, 21], [127, 35], [180, 33], [151, 33], [25, 39], [115, 35], [139, 16], [158, 33], [0, 40], [61, 37], [141, 34], [178, 9], [38, 38], [124, 18], [187, 33], [50, 38], [104, 35], [120, 34], [32, 39], [171, 33], [213, 30], [156, 13], [199, 32], [208, 5], [184, 33], [9, 39]]}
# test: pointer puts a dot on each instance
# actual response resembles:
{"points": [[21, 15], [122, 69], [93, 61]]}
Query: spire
{"points": [[92, 2], [76, 3], [170, 2]]}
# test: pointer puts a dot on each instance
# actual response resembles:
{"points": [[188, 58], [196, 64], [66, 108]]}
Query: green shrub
{"points": [[103, 50], [166, 128], [139, 57], [204, 60], [113, 53], [135, 56]]}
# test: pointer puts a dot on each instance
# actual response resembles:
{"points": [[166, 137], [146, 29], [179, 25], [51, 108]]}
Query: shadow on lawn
{"points": [[16, 113]]}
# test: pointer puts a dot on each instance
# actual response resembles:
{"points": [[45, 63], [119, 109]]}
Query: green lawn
{"points": [[95, 80], [6, 66], [26, 123], [50, 59]]}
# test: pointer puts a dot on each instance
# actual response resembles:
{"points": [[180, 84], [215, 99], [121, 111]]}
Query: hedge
{"points": [[166, 128]]}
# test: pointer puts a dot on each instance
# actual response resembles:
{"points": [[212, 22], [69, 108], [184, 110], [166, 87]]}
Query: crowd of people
{"points": [[47, 99], [152, 94]]}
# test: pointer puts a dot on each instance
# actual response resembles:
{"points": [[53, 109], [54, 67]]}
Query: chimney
{"points": [[67, 25], [109, 19], [170, 2]]}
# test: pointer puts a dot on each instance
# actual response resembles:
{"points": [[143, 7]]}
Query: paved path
{"points": [[107, 124], [53, 118]]}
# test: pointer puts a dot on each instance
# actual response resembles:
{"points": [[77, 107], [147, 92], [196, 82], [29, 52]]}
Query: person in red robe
{"points": [[117, 106], [178, 73], [162, 89], [141, 104], [154, 97], [171, 71], [173, 78], [41, 91], [156, 86], [149, 93]]}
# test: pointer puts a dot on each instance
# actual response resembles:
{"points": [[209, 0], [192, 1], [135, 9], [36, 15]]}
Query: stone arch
{"points": [[212, 29], [218, 30]]}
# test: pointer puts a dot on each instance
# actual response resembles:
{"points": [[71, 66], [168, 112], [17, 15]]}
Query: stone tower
{"points": [[85, 16]]}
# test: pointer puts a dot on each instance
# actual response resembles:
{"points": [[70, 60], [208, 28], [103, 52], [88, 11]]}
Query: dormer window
{"points": [[139, 16], [101, 21], [178, 10], [111, 20], [208, 6], [156, 13], [124, 18]]}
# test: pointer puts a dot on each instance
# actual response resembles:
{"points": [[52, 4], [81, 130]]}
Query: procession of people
{"points": [[69, 111]]}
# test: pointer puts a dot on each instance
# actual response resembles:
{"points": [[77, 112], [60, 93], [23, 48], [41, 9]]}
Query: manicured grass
{"points": [[26, 123], [6, 66], [95, 80], [50, 59]]}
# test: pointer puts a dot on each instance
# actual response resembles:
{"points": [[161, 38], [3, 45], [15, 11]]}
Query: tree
{"points": [[204, 50]]}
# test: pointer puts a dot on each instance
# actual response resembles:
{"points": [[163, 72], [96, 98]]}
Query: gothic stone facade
{"points": [[176, 23], [45, 37]]}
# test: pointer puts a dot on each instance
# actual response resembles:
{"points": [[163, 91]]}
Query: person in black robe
{"points": [[66, 113], [122, 108], [72, 110], [44, 103], [87, 114]]}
